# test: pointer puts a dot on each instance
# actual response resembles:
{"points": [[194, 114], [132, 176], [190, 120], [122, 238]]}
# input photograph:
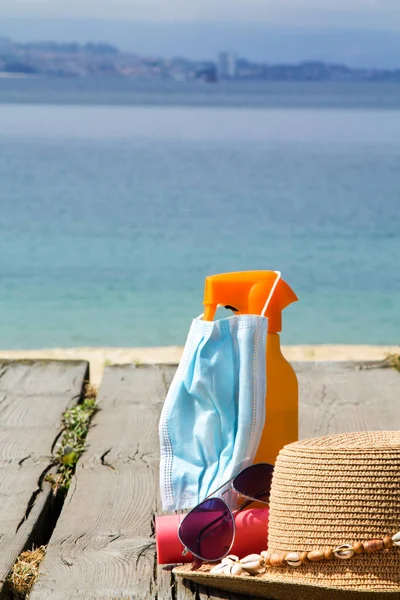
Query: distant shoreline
{"points": [[100, 357], [73, 58]]}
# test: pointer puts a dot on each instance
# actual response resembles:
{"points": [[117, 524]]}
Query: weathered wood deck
{"points": [[102, 546]]}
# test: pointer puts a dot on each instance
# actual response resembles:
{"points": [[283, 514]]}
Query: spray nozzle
{"points": [[247, 292], [229, 307]]}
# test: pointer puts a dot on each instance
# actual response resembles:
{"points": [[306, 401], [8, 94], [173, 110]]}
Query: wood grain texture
{"points": [[103, 545], [33, 397], [340, 397]]}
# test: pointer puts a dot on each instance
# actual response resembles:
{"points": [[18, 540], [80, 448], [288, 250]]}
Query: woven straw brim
{"points": [[326, 492], [268, 587]]}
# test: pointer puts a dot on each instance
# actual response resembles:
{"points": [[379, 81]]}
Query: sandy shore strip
{"points": [[101, 357]]}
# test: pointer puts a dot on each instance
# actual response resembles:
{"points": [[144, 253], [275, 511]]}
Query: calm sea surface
{"points": [[112, 215]]}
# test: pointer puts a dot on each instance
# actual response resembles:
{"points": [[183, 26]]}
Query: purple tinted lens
{"points": [[255, 481], [207, 531]]}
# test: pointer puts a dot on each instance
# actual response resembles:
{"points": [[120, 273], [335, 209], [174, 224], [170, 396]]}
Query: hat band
{"points": [[255, 564]]}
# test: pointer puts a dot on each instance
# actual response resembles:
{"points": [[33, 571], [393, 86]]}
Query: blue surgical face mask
{"points": [[214, 413]]}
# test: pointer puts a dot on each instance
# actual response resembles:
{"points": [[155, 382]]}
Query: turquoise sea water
{"points": [[111, 217]]}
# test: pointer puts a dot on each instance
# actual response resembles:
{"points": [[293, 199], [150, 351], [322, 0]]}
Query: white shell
{"points": [[231, 558], [233, 569], [218, 569], [293, 559], [251, 558], [252, 564], [344, 552], [396, 539], [253, 569]]}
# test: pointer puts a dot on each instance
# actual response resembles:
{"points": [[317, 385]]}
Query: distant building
{"points": [[206, 72], [227, 65]]}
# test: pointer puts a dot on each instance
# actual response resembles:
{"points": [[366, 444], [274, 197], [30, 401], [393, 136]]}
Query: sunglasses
{"points": [[208, 530]]}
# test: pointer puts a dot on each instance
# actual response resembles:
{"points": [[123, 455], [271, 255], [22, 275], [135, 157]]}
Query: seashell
{"points": [[252, 563], [293, 559], [251, 558], [233, 569], [252, 569], [218, 569], [231, 558], [344, 552], [396, 539]]}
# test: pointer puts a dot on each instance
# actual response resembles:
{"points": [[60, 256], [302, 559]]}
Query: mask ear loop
{"points": [[272, 292]]}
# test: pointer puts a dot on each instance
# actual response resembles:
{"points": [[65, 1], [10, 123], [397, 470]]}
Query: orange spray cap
{"points": [[247, 292]]}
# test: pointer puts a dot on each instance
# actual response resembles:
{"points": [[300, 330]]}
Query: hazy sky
{"points": [[352, 13], [354, 32]]}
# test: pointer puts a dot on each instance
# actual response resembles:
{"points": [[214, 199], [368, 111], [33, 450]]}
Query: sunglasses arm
{"points": [[220, 488]]}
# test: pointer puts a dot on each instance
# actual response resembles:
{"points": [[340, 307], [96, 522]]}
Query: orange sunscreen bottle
{"points": [[247, 293]]}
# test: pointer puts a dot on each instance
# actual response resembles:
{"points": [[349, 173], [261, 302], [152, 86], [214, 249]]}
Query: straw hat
{"points": [[329, 492]]}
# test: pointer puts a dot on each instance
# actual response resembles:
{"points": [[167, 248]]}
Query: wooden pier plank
{"points": [[338, 397], [33, 397], [103, 545]]}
